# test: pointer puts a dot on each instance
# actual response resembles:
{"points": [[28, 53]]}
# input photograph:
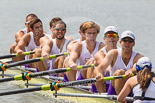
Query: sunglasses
{"points": [[128, 40], [60, 29], [114, 35]]}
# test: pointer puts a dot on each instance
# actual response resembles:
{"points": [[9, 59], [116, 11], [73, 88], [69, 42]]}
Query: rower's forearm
{"points": [[70, 62], [18, 50], [45, 51]]}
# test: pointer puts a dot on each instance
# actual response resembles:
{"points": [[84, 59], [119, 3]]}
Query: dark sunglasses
{"points": [[128, 40], [60, 29]]}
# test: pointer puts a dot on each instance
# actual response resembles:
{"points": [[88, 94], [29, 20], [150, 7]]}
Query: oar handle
{"points": [[115, 77], [28, 53], [15, 55], [57, 55], [81, 67], [85, 66]]}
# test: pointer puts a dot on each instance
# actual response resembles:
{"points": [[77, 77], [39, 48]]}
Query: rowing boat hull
{"points": [[49, 94]]}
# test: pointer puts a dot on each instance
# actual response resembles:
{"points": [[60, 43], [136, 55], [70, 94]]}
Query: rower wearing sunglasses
{"points": [[121, 61], [53, 46], [111, 38]]}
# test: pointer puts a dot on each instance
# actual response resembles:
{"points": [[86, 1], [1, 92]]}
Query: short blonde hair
{"points": [[89, 24]]}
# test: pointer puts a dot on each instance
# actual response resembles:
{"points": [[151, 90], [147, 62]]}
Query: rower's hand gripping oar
{"points": [[115, 77], [28, 75], [15, 55], [56, 85], [3, 66]]}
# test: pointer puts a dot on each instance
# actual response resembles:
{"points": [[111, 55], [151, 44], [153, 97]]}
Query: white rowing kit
{"points": [[56, 50], [85, 55], [31, 46], [150, 92], [119, 64]]}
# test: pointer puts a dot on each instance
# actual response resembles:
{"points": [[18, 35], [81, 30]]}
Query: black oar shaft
{"points": [[20, 91], [14, 55], [32, 60], [34, 74], [79, 82], [7, 56], [55, 71], [6, 79], [22, 62]]}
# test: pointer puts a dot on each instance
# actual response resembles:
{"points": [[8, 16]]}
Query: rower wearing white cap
{"points": [[142, 84], [121, 62], [111, 38]]}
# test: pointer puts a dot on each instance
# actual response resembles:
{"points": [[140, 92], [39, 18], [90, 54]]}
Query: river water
{"points": [[135, 15]]}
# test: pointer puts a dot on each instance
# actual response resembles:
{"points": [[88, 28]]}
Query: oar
{"points": [[111, 97], [56, 86], [15, 55], [30, 75], [114, 77], [3, 67]]}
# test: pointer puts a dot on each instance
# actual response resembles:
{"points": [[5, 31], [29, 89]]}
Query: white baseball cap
{"points": [[143, 62], [110, 28], [127, 34]]}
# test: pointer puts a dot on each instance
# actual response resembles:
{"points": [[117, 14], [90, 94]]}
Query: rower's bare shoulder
{"points": [[71, 43], [101, 45], [99, 54], [45, 40], [19, 35], [69, 38], [137, 57], [132, 81], [77, 46], [113, 52]]}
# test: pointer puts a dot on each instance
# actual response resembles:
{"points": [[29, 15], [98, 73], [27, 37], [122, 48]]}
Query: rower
{"points": [[71, 46], [111, 38], [142, 84], [54, 46], [21, 32], [83, 51], [121, 62], [30, 41]]}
